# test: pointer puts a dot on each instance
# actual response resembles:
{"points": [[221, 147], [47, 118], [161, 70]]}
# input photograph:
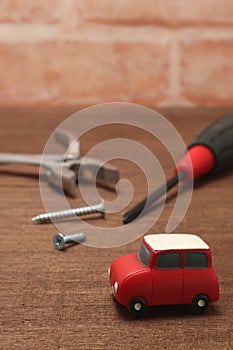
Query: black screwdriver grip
{"points": [[218, 137]]}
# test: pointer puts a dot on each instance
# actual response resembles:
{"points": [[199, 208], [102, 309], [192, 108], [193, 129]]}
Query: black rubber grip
{"points": [[218, 137]]}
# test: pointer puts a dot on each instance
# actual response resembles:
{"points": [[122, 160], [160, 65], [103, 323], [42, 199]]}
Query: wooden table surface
{"points": [[62, 300]]}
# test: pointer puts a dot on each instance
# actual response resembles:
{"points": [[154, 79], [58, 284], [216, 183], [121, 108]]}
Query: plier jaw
{"points": [[68, 173], [75, 168]]}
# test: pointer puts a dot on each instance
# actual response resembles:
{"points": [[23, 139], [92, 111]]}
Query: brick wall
{"points": [[82, 52]]}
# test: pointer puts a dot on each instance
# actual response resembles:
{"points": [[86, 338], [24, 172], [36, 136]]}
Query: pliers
{"points": [[64, 169]]}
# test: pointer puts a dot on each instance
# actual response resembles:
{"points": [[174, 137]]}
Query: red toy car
{"points": [[169, 269]]}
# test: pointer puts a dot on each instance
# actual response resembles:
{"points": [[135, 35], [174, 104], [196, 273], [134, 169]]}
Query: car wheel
{"points": [[137, 306], [200, 303]]}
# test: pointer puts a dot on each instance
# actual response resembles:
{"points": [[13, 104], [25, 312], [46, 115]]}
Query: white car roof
{"points": [[175, 241]]}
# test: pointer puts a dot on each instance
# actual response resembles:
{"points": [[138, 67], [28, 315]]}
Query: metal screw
{"points": [[59, 215], [59, 240]]}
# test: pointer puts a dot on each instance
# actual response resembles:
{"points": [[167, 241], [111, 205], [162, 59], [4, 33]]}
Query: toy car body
{"points": [[169, 269]]}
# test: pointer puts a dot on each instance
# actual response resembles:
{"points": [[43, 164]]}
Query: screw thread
{"points": [[76, 237], [59, 215]]}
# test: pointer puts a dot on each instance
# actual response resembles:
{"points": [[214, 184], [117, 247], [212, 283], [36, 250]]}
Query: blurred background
{"points": [[82, 52]]}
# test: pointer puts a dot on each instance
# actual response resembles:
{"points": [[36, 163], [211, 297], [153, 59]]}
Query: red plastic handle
{"points": [[198, 161]]}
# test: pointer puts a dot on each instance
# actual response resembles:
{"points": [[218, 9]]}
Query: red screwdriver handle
{"points": [[198, 161], [211, 151]]}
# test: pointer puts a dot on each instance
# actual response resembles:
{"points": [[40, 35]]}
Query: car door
{"points": [[196, 275], [167, 279]]}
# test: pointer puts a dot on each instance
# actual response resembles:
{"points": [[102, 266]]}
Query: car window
{"points": [[168, 261], [144, 255], [195, 260]]}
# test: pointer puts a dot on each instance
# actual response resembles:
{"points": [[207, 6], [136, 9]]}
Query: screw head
{"points": [[59, 241]]}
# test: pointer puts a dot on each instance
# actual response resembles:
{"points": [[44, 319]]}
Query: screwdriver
{"points": [[210, 152]]}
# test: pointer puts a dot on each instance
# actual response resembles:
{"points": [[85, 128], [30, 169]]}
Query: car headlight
{"points": [[115, 287]]}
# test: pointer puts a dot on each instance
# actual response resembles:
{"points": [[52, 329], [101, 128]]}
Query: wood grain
{"points": [[62, 300]]}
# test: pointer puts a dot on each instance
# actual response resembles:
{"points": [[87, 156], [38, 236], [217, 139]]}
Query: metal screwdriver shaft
{"points": [[64, 214], [133, 213]]}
